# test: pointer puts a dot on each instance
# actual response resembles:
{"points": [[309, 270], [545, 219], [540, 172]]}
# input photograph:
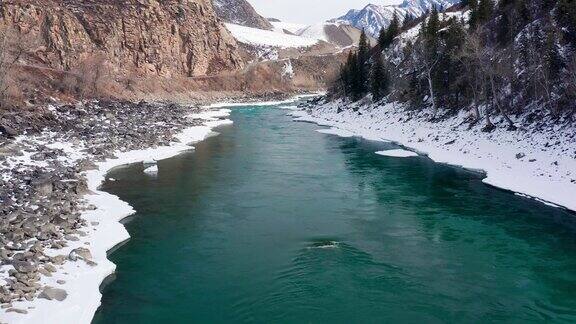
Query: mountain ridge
{"points": [[372, 18]]}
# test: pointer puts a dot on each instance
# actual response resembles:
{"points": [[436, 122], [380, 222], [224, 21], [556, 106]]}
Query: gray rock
{"points": [[45, 272], [53, 294], [80, 253], [50, 268], [58, 260], [8, 131], [44, 186], [71, 238], [16, 310], [23, 266]]}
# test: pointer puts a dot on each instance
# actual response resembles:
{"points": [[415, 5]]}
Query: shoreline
{"points": [[105, 230], [495, 155]]}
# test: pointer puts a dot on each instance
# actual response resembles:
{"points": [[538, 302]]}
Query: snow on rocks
{"points": [[538, 160], [151, 170], [288, 69]]}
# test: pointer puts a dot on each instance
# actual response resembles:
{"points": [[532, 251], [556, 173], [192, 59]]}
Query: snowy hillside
{"points": [[373, 18], [265, 38], [337, 33], [340, 34], [283, 27], [317, 31]]}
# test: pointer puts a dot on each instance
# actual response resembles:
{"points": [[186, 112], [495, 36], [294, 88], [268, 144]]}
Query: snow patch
{"points": [[260, 37], [294, 28], [151, 170], [336, 131], [288, 69], [397, 153]]}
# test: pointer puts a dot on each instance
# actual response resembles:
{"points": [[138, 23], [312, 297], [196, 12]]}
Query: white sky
{"points": [[310, 11]]}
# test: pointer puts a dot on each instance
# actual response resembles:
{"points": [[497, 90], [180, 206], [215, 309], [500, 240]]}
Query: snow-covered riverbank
{"points": [[81, 280], [537, 163], [76, 282]]}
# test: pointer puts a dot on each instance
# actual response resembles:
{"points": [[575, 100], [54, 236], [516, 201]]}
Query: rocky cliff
{"points": [[138, 38], [240, 12]]}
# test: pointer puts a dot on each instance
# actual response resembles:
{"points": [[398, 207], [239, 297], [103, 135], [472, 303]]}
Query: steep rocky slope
{"points": [[75, 42], [240, 12]]}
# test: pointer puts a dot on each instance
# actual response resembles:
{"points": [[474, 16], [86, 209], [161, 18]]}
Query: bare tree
{"points": [[472, 55], [429, 60], [469, 57], [494, 71], [497, 68]]}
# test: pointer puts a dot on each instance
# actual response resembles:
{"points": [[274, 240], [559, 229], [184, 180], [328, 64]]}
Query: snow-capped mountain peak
{"points": [[372, 18], [422, 6]]}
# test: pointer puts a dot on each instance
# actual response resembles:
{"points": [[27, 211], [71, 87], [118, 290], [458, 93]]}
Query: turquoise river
{"points": [[273, 222]]}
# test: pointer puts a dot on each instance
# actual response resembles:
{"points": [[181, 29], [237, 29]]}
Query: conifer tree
{"points": [[379, 79], [553, 58], [480, 12], [345, 76], [382, 38], [503, 30], [387, 35], [429, 31], [450, 84], [352, 72], [485, 9], [523, 13], [407, 21], [361, 68], [363, 48], [394, 28]]}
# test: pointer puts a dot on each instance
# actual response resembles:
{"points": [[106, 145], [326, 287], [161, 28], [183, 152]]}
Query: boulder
{"points": [[53, 294], [80, 253], [8, 131], [16, 310]]}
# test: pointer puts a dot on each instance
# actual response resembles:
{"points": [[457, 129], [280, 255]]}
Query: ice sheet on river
{"points": [[399, 153]]}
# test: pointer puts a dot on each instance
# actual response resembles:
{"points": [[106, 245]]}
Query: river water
{"points": [[273, 222]]}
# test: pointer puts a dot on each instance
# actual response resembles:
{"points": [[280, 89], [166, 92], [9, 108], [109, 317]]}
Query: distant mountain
{"points": [[336, 33], [373, 18], [340, 34], [240, 12]]}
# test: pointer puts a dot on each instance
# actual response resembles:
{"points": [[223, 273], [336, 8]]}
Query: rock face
{"points": [[141, 37], [240, 12]]}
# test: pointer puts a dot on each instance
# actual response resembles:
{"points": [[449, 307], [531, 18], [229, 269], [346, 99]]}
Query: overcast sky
{"points": [[310, 11]]}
